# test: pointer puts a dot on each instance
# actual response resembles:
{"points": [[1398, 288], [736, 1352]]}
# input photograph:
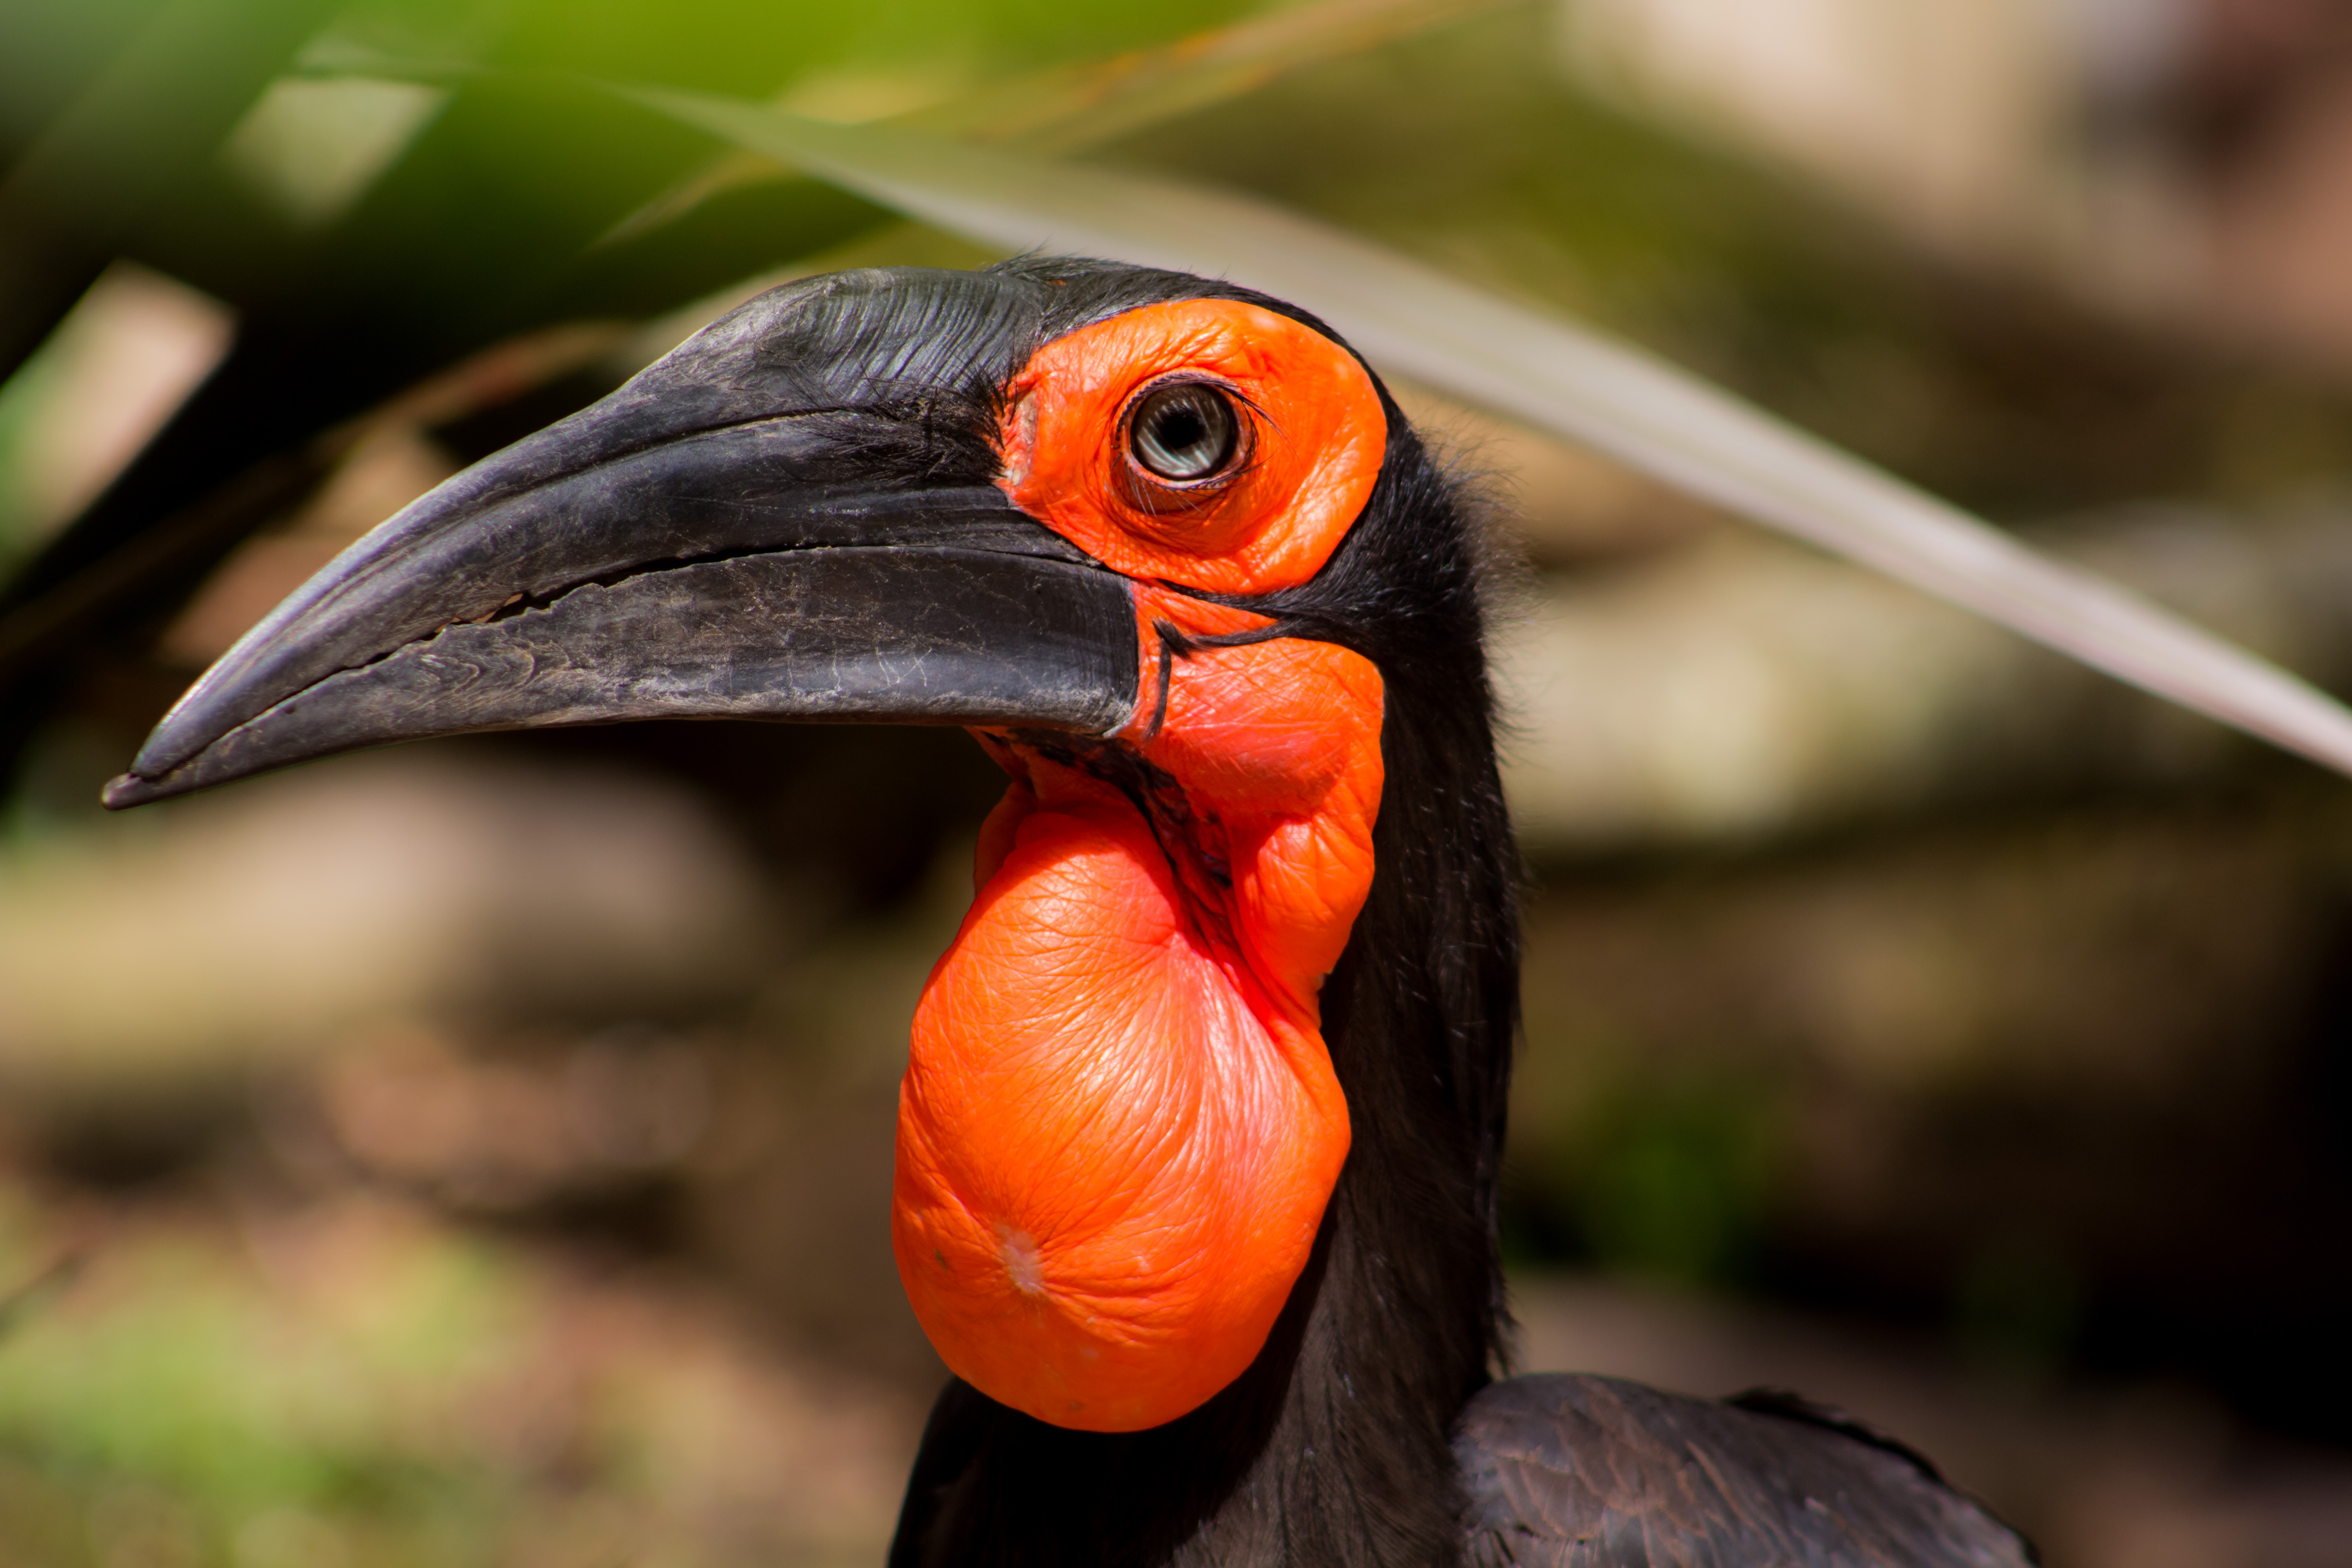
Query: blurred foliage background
{"points": [[478, 1154]]}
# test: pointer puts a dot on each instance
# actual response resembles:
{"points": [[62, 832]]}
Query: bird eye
{"points": [[1184, 432]]}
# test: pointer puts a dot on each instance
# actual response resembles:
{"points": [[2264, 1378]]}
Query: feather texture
{"points": [[1591, 1472]]}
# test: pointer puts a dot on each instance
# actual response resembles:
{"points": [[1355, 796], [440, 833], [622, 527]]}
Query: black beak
{"points": [[662, 555]]}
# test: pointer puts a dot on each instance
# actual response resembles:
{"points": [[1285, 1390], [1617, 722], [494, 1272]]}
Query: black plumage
{"points": [[1593, 1472]]}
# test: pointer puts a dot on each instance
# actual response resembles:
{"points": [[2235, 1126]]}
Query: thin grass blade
{"points": [[1077, 105], [1069, 108], [1413, 320]]}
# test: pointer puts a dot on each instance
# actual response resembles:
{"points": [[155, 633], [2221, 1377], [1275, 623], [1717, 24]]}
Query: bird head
{"points": [[1148, 537]]}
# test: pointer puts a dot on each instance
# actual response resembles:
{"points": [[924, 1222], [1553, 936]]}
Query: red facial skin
{"points": [[1120, 1127]]}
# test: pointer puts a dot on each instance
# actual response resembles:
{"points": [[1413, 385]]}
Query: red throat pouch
{"points": [[1120, 1127]]}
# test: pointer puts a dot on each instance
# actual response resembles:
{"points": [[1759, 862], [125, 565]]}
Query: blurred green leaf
{"points": [[178, 1373], [1080, 106], [746, 212], [142, 122]]}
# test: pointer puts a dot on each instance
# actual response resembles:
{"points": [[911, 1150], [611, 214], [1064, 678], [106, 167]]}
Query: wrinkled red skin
{"points": [[1120, 1127]]}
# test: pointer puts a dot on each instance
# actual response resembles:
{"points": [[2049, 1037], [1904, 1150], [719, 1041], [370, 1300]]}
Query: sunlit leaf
{"points": [[1417, 321], [140, 124], [1083, 105]]}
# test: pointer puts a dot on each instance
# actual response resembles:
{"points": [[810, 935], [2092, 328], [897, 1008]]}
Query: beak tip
{"points": [[128, 790]]}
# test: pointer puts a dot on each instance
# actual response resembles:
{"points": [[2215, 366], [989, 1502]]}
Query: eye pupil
{"points": [[1180, 429], [1184, 432]]}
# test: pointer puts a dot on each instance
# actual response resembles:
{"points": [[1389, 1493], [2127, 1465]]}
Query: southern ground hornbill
{"points": [[1199, 1137]]}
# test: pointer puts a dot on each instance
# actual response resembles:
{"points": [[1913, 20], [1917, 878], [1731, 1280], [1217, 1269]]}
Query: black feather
{"points": [[1591, 1472]]}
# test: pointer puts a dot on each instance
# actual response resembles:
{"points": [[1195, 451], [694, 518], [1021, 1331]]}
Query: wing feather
{"points": [[1569, 1471]]}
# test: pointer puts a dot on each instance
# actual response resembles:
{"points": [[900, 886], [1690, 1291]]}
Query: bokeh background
{"points": [[478, 1153]]}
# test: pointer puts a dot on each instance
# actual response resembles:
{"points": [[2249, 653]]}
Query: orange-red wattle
{"points": [[1119, 1126]]}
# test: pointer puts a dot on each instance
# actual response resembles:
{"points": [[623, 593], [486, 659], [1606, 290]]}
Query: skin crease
{"points": [[1120, 1127]]}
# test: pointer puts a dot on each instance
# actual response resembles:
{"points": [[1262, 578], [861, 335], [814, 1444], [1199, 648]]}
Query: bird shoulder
{"points": [[1575, 1471]]}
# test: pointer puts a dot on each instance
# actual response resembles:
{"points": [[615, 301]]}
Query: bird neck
{"points": [[1332, 1447], [1119, 1126]]}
